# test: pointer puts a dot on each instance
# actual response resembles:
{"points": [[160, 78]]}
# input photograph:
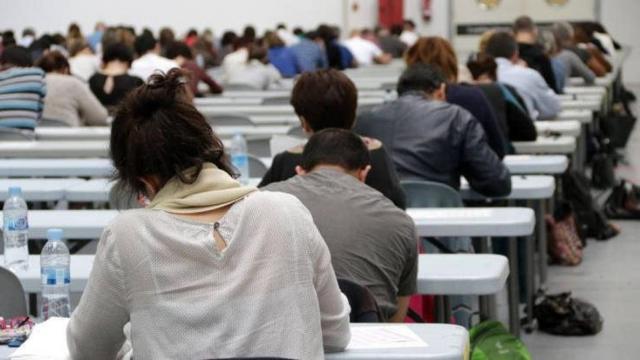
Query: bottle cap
{"points": [[15, 191], [54, 234]]}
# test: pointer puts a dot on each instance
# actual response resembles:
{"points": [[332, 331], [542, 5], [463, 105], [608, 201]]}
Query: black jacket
{"points": [[536, 59]]}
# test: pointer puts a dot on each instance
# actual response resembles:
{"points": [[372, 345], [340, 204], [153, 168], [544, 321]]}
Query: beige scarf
{"points": [[213, 189]]}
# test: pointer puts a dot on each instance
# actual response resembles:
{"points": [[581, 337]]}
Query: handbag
{"points": [[560, 314], [624, 202], [565, 245]]}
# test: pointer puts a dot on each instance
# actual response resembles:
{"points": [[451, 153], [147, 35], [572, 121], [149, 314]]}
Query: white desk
{"points": [[606, 80], [563, 127], [53, 149], [584, 116], [536, 164], [591, 105], [547, 145], [77, 224], [478, 222], [39, 189], [445, 342], [80, 269], [103, 133], [258, 94], [585, 90], [55, 167], [461, 274], [89, 191], [523, 187]]}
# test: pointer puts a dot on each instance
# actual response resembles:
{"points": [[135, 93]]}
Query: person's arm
{"points": [[546, 101], [480, 165], [408, 281], [282, 168], [548, 74], [383, 176], [402, 304], [497, 140], [95, 327], [334, 306], [581, 69], [202, 75], [91, 110], [521, 126]]}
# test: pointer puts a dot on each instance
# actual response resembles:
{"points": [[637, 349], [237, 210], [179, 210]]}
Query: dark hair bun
{"points": [[162, 90]]}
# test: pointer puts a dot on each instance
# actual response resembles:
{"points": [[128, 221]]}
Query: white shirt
{"points": [[271, 292], [541, 101], [84, 65], [288, 38], [409, 37], [233, 62], [149, 63], [364, 51], [256, 75]]}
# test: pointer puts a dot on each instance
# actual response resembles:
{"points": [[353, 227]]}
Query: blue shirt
{"points": [[310, 55], [285, 61]]}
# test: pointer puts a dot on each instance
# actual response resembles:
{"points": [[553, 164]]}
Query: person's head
{"points": [[179, 51], [28, 32], [297, 31], [192, 33], [100, 26], [259, 53], [563, 32], [272, 40], [54, 62], [409, 25], [15, 56], [437, 51], [338, 149], [166, 37], [524, 24], [325, 99], [8, 38], [249, 33], [74, 31], [367, 34], [281, 26], [424, 78], [77, 46], [502, 45], [145, 43], [228, 38], [396, 29], [117, 52], [549, 43], [158, 134], [484, 39], [483, 68]]}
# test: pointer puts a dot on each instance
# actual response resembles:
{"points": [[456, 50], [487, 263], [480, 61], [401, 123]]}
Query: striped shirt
{"points": [[21, 97]]}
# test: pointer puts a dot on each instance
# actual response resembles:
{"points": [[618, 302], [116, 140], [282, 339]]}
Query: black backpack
{"points": [[591, 221], [560, 314]]}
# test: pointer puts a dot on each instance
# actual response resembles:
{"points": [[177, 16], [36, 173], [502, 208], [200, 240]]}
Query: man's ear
{"points": [[362, 173], [300, 170], [305, 126], [441, 93]]}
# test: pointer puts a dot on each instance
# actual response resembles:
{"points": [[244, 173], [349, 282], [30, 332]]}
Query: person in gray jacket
{"points": [[429, 139]]}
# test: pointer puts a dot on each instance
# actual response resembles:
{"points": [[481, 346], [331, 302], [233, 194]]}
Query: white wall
{"points": [[620, 17]]}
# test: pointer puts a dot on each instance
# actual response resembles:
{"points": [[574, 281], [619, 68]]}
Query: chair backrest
{"points": [[229, 120], [280, 143], [430, 194], [364, 307], [44, 122], [10, 134], [12, 300], [276, 100], [257, 168]]}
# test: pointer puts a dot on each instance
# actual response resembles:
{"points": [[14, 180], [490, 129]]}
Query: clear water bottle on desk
{"points": [[54, 269], [240, 158], [15, 230]]}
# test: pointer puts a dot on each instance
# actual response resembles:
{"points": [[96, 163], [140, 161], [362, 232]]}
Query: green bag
{"points": [[490, 340]]}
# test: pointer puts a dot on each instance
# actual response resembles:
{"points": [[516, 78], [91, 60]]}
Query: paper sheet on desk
{"points": [[383, 337], [47, 341]]}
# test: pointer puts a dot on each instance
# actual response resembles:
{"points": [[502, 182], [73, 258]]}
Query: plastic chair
{"points": [[364, 307], [12, 300], [429, 194], [10, 134], [44, 122], [229, 120], [257, 168]]}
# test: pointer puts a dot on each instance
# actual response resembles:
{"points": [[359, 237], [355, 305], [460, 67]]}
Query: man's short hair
{"points": [[338, 147], [117, 51], [179, 48], [502, 44], [325, 98], [523, 24], [145, 43], [16, 56], [420, 77]]}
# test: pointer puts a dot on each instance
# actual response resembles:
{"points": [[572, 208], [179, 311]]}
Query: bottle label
{"points": [[55, 276], [240, 160], [17, 224]]}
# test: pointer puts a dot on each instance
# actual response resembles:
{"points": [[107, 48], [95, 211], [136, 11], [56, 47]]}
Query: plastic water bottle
{"points": [[54, 270], [240, 158], [16, 231]]}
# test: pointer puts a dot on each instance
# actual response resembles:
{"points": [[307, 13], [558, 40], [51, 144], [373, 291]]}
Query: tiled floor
{"points": [[609, 277]]}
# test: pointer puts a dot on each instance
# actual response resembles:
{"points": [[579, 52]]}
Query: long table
{"points": [[547, 145]]}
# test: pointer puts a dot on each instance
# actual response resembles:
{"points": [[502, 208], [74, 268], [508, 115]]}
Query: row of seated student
{"points": [[564, 53]]}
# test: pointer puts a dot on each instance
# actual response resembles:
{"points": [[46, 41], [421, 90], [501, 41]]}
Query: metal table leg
{"points": [[487, 303], [542, 242], [514, 291]]}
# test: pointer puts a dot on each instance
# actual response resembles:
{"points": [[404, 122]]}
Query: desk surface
{"points": [[39, 189], [445, 342], [581, 104], [29, 167], [523, 187], [584, 116], [77, 224], [563, 127], [536, 164], [53, 149], [462, 274], [547, 145], [481, 222]]}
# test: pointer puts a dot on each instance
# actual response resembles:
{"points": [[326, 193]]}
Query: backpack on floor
{"points": [[561, 314], [490, 340], [624, 202]]}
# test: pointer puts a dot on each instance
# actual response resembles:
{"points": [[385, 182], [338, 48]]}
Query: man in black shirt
{"points": [[526, 34]]}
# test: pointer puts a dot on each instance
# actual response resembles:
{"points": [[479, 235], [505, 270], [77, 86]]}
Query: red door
{"points": [[390, 12]]}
